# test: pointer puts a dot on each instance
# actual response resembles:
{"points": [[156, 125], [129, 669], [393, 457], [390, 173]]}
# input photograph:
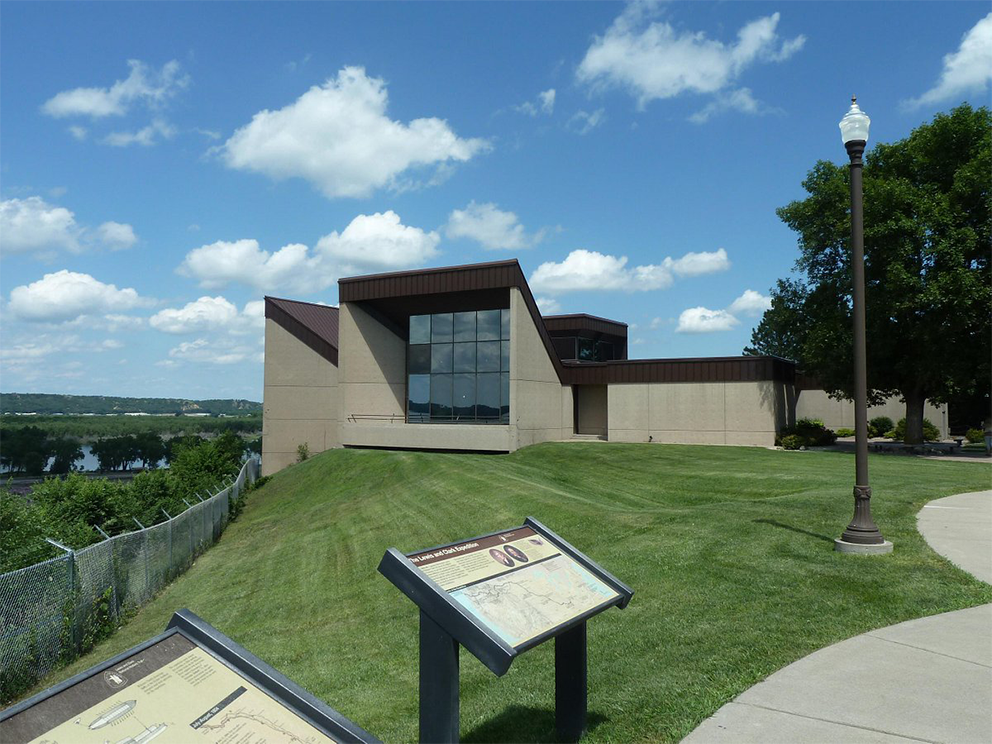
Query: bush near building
{"points": [[806, 433]]}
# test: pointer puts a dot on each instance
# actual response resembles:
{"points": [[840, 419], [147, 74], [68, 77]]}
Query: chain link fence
{"points": [[52, 611]]}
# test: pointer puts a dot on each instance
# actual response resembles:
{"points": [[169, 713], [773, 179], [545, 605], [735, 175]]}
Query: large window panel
{"points": [[464, 357], [441, 396], [487, 396], [418, 398], [419, 359], [489, 325], [464, 326], [441, 328], [420, 329], [504, 397], [504, 356], [441, 359], [504, 324], [488, 356], [463, 397]]}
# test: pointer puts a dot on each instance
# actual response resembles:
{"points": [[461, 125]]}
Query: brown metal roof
{"points": [[314, 325], [584, 322]]}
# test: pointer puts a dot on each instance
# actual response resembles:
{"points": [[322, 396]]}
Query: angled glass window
{"points": [[489, 325], [587, 350], [464, 325], [441, 328], [420, 329]]}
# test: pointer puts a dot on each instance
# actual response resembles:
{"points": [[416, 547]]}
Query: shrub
{"points": [[793, 442], [930, 432], [975, 436], [302, 452], [845, 432], [811, 433], [890, 434], [879, 425]]}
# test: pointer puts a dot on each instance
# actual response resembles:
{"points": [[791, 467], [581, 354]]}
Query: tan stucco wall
{"points": [[593, 417], [837, 414], [300, 400], [696, 413], [536, 398]]}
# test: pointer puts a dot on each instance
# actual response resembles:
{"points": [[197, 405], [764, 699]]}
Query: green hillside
{"points": [[729, 551], [45, 403]]}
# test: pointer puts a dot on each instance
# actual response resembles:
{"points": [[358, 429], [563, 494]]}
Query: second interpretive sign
{"points": [[518, 583]]}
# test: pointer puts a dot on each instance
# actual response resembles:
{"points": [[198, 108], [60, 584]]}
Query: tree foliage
{"points": [[928, 228]]}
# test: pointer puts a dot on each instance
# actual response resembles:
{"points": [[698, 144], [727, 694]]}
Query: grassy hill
{"points": [[728, 549]]}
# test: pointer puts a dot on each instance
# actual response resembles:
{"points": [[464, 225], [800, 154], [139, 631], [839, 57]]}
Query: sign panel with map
{"points": [[503, 593], [191, 684]]}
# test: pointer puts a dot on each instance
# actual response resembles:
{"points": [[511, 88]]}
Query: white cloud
{"points": [[112, 343], [32, 224], [115, 323], [116, 236], [376, 242], [490, 226], [146, 137], [590, 270], [78, 132], [548, 305], [583, 122], [337, 136], [141, 84], [66, 295], [652, 60], [697, 264], [968, 70], [657, 323], [750, 303], [243, 261], [736, 100], [704, 320], [210, 314], [202, 350], [545, 104]]}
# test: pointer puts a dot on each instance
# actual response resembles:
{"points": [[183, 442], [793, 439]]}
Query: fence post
{"points": [[71, 555], [169, 575]]}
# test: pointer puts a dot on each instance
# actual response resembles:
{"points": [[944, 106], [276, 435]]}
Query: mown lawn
{"points": [[729, 551]]}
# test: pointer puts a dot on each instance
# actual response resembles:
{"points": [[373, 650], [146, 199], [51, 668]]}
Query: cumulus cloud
{"points": [[704, 320], [967, 70], [590, 270], [217, 352], [141, 85], [116, 236], [67, 295], [548, 305], [32, 224], [652, 60], [750, 303], [210, 314], [583, 122], [338, 137], [78, 132], [146, 136], [545, 104], [490, 226], [737, 100], [376, 242]]}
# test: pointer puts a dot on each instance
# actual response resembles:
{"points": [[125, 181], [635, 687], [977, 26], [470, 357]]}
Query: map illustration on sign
{"points": [[516, 582]]}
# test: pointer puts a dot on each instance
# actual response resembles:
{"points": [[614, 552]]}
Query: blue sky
{"points": [[165, 165]]}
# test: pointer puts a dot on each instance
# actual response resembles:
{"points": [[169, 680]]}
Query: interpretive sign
{"points": [[499, 595], [190, 684]]}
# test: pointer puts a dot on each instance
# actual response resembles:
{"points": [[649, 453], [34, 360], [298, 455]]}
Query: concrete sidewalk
{"points": [[923, 680]]}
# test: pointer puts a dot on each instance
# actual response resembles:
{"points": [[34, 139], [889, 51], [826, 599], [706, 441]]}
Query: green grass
{"points": [[729, 551]]}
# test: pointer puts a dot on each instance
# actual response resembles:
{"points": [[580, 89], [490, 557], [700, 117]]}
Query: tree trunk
{"points": [[914, 417]]}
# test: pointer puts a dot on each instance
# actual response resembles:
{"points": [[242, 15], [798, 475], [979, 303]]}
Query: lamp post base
{"points": [[842, 546]]}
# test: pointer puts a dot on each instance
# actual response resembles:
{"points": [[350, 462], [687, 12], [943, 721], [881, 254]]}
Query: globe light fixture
{"points": [[862, 534]]}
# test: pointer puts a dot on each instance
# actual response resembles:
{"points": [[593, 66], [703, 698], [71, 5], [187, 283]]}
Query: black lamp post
{"points": [[862, 534]]}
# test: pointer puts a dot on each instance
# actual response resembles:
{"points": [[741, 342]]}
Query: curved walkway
{"points": [[922, 680]]}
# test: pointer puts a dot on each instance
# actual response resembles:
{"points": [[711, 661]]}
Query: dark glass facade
{"points": [[583, 349], [458, 368]]}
